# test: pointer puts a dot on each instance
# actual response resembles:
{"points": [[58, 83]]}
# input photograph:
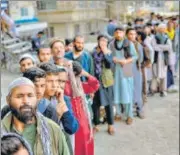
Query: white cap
{"points": [[27, 56], [19, 82], [162, 25]]}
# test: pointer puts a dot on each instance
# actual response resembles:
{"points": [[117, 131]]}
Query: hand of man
{"points": [[91, 96], [115, 60], [60, 95], [84, 73], [105, 50], [69, 64], [123, 62], [61, 108]]}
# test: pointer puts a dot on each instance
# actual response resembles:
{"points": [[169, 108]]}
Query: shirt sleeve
{"points": [[133, 52], [91, 86], [68, 120]]}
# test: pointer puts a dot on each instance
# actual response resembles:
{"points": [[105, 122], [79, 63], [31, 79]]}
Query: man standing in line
{"points": [[124, 54], [24, 119]]}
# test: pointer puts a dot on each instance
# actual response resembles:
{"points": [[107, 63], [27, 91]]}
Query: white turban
{"points": [[19, 82]]}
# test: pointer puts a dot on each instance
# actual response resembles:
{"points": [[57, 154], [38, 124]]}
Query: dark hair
{"points": [[138, 28], [137, 20], [74, 40], [130, 29], [156, 24], [61, 69], [148, 24], [48, 67], [142, 34], [41, 32], [11, 143], [141, 19], [152, 13], [34, 73], [41, 47], [25, 59], [119, 29], [68, 41], [101, 36], [129, 24], [77, 68]]}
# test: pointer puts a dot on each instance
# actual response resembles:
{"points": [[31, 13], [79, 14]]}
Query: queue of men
{"points": [[55, 107]]}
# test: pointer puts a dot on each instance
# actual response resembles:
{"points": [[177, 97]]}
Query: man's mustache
{"points": [[26, 107]]}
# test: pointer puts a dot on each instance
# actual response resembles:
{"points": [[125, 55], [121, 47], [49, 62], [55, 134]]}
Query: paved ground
{"points": [[158, 134]]}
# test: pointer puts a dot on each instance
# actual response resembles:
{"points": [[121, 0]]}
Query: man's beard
{"points": [[77, 49], [25, 116]]}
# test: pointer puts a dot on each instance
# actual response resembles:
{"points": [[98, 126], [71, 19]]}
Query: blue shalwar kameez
{"points": [[137, 76], [123, 86]]}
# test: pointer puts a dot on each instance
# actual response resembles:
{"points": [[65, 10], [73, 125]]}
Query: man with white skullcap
{"points": [[162, 46], [39, 131], [26, 61]]}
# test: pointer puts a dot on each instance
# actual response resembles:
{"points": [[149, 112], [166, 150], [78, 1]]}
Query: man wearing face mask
{"points": [[24, 119], [124, 53]]}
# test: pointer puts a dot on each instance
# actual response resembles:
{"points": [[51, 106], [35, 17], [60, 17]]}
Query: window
{"points": [[49, 5], [101, 4], [24, 12], [41, 5], [82, 4], [92, 4]]}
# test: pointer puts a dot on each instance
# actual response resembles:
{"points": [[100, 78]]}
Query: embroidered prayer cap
{"points": [[27, 56], [54, 40], [19, 82]]}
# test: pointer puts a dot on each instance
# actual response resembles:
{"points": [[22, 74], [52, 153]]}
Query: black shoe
{"points": [[150, 94], [140, 115], [163, 94]]}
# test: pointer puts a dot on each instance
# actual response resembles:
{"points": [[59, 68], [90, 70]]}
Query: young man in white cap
{"points": [[162, 46], [26, 61], [43, 135]]}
